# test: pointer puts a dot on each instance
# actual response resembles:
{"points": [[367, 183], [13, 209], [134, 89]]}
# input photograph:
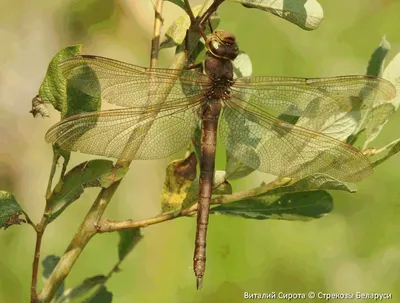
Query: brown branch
{"points": [[40, 228], [107, 225], [197, 23], [189, 11], [29, 221], [206, 15], [85, 232]]}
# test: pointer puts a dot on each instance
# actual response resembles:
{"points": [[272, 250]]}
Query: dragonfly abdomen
{"points": [[206, 180]]}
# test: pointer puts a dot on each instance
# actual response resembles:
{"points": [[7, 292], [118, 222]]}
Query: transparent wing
{"points": [[263, 142], [128, 133], [312, 97], [129, 85]]}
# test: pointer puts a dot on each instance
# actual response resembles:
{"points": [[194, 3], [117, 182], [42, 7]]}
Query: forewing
{"points": [[128, 133], [129, 85], [312, 99], [259, 140]]}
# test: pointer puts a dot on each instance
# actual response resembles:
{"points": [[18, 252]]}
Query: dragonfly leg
{"points": [[210, 26], [193, 65]]}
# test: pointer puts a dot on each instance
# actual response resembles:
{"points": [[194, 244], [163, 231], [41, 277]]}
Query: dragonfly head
{"points": [[222, 44]]}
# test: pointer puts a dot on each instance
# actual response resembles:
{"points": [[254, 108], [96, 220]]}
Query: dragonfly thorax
{"points": [[220, 73], [221, 49]]}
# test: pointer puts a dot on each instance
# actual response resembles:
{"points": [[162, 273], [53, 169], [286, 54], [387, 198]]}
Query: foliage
{"points": [[10, 210], [285, 199]]}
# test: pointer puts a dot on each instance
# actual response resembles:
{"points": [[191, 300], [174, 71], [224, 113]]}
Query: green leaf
{"points": [[380, 114], [394, 148], [64, 95], [49, 263], [341, 125], [336, 124], [303, 206], [52, 89], [236, 169], [179, 177], [94, 173], [176, 33], [198, 54], [10, 210], [127, 241], [307, 14], [101, 296], [375, 64], [376, 115], [82, 290], [392, 73], [221, 185], [116, 174], [242, 66], [311, 183], [377, 118], [79, 100]]}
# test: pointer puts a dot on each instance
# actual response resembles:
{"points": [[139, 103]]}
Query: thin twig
{"points": [[110, 225], [53, 168], [374, 151], [40, 228], [106, 225], [206, 15], [197, 24], [155, 41], [29, 221]]}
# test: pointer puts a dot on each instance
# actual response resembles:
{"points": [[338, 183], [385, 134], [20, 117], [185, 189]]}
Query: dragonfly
{"points": [[161, 108]]}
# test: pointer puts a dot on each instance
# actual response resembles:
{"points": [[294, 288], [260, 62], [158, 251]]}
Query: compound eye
{"points": [[222, 45]]}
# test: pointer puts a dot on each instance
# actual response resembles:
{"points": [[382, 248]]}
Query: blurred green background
{"points": [[355, 248]]}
